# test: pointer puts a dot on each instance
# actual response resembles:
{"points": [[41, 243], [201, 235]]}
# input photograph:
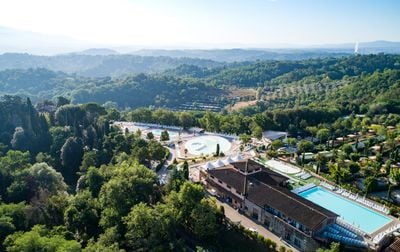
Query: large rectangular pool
{"points": [[353, 213]]}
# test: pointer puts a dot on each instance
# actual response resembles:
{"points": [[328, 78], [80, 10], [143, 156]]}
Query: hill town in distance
{"points": [[134, 125]]}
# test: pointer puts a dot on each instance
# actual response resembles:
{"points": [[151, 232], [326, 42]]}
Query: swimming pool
{"points": [[172, 134], [207, 145], [355, 214]]}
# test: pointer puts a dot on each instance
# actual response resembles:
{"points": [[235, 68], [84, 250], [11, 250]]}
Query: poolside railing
{"points": [[382, 235], [327, 185], [353, 229]]}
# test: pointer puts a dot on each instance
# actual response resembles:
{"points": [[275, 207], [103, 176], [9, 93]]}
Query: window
{"points": [[297, 242], [255, 214], [228, 186], [212, 176], [219, 181]]}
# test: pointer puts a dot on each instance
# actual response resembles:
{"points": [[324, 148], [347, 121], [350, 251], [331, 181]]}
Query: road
{"points": [[236, 217], [164, 172]]}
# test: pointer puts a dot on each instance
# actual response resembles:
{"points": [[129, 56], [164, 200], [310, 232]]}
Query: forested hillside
{"points": [[131, 91], [238, 54], [281, 84], [281, 72], [98, 65]]}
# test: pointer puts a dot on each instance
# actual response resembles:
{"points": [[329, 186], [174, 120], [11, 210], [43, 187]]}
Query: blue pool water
{"points": [[355, 214]]}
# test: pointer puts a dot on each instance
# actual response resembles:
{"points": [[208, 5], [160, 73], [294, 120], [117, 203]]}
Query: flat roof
{"points": [[273, 135]]}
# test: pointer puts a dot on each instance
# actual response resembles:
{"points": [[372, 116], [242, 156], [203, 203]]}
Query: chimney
{"points": [[245, 179], [245, 186]]}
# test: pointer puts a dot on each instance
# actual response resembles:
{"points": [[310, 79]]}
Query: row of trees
{"points": [[295, 121]]}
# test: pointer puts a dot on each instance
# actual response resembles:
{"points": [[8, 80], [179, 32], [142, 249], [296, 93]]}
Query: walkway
{"points": [[236, 217], [163, 173]]}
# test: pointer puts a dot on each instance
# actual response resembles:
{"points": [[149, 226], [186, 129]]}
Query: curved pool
{"points": [[207, 145]]}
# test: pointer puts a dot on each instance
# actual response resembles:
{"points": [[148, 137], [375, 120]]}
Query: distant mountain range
{"points": [[12, 40], [73, 56], [237, 55], [316, 51], [99, 63], [96, 52]]}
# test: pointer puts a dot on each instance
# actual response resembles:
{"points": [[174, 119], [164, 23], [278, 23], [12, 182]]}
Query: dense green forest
{"points": [[132, 91], [283, 84], [70, 182], [269, 73]]}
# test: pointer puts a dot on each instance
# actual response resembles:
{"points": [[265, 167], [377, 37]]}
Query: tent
{"points": [[208, 166], [228, 160], [237, 158], [218, 163]]}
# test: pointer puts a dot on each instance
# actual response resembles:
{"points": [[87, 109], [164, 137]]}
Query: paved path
{"points": [[234, 216], [164, 172]]}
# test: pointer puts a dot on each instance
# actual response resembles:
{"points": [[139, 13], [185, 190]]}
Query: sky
{"points": [[207, 22]]}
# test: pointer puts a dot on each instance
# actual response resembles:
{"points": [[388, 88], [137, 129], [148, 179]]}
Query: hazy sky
{"points": [[190, 22]]}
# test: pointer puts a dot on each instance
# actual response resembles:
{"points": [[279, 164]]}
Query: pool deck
{"points": [[181, 147], [385, 227]]}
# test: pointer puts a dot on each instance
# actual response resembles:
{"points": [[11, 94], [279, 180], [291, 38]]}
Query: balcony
{"points": [[288, 222]]}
